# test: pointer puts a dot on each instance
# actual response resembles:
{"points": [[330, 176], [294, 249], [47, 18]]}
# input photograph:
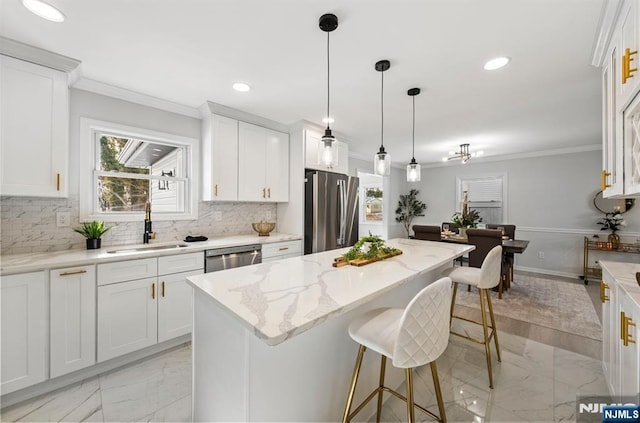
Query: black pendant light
{"points": [[328, 22], [382, 159], [413, 168]]}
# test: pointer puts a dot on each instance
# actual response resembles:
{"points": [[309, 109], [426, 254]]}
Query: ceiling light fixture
{"points": [[241, 87], [328, 23], [464, 155], [382, 160], [497, 63], [413, 168], [44, 10]]}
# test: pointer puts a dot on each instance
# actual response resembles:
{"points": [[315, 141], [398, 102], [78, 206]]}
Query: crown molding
{"points": [[608, 17], [28, 53], [219, 109], [101, 88]]}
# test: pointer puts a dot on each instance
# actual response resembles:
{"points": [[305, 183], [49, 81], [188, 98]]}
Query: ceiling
{"points": [[190, 51]]}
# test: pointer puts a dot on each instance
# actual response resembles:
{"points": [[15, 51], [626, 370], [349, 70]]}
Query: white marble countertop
{"points": [[278, 300], [31, 262], [625, 274]]}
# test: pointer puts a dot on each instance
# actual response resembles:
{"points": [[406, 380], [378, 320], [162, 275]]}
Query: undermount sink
{"points": [[148, 248]]}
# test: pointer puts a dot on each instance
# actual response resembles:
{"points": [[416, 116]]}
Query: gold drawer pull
{"points": [[76, 272], [58, 181], [628, 339], [153, 291], [603, 180], [627, 70], [603, 296], [623, 332], [264, 193], [268, 192], [283, 248], [215, 190], [162, 288]]}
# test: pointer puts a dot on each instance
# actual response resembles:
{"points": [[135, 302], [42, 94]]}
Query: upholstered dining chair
{"points": [[510, 231], [426, 232], [484, 278], [410, 337], [485, 240]]}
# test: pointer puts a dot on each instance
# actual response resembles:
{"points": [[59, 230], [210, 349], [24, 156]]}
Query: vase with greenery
{"points": [[613, 222], [466, 219], [93, 231], [408, 208]]}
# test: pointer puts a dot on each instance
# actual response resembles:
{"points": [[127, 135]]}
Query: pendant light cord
{"points": [[413, 133], [328, 78], [382, 112]]}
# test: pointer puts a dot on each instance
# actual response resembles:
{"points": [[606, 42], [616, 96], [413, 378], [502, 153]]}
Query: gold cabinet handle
{"points": [[215, 190], [75, 272], [627, 70], [625, 322], [283, 248], [264, 193], [268, 192], [163, 289], [58, 181], [603, 180], [153, 291], [603, 296]]}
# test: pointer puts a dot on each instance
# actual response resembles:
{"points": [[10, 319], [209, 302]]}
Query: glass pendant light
{"points": [[328, 22], [413, 168], [382, 159]]}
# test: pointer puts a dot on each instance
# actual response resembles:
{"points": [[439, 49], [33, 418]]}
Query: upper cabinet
{"points": [[263, 164], [616, 52], [220, 158], [34, 122], [312, 141]]}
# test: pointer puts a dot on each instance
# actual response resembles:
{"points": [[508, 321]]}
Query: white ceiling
{"points": [[190, 51]]}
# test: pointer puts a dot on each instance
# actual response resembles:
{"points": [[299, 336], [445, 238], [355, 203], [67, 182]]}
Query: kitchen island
{"points": [[270, 341]]}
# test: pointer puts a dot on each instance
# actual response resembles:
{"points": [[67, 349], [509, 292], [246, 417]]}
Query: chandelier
{"points": [[464, 155]]}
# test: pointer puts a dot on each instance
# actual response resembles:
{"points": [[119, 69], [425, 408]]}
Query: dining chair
{"points": [[426, 232], [485, 278], [485, 240], [510, 231], [410, 337]]}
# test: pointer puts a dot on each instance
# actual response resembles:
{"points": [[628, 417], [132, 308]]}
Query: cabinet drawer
{"points": [[127, 270], [279, 249], [180, 263]]}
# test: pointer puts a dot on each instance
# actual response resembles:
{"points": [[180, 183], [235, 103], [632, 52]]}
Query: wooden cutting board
{"points": [[340, 261]]}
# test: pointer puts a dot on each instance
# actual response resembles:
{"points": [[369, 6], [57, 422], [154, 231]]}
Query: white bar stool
{"points": [[484, 278], [410, 337]]}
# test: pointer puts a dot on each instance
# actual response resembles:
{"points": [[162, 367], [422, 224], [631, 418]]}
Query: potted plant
{"points": [[408, 208], [466, 219], [93, 231], [613, 221]]}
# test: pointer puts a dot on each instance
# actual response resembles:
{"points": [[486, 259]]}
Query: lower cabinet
{"points": [[134, 314], [72, 305], [281, 250], [24, 330]]}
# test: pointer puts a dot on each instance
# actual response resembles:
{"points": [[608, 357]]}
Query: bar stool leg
{"points": [[383, 363], [409, 382], [354, 380], [436, 386], [493, 324], [487, 344], [453, 302]]}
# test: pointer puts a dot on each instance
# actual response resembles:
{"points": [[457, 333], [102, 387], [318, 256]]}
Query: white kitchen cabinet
{"points": [[263, 164], [313, 151], [34, 122], [127, 317], [219, 158], [281, 250], [631, 122], [612, 182], [629, 350], [72, 319], [175, 310], [628, 53], [24, 330]]}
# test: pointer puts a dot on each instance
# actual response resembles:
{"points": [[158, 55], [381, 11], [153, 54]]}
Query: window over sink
{"points": [[124, 167]]}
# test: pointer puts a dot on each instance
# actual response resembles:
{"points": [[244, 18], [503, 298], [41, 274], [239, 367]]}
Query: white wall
{"points": [[549, 199]]}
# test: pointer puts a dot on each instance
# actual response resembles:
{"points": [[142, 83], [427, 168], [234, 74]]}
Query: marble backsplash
{"points": [[28, 225]]}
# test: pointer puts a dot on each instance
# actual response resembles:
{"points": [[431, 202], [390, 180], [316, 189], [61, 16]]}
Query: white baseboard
{"points": [[80, 375], [548, 272]]}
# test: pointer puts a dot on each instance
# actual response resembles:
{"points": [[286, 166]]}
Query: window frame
{"points": [[90, 129], [484, 176]]}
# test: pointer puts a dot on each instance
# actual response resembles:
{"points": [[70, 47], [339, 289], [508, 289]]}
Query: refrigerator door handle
{"points": [[342, 193]]}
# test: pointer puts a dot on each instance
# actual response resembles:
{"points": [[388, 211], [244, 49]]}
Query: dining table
{"points": [[509, 247]]}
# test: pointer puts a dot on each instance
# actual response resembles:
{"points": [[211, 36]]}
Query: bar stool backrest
{"points": [[491, 268], [424, 327]]}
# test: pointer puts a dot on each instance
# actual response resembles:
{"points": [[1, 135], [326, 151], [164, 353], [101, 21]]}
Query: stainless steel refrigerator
{"points": [[330, 212]]}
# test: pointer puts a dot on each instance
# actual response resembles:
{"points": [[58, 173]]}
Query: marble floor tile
{"points": [[177, 411]]}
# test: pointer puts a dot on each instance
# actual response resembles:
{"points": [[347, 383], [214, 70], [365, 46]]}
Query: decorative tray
{"points": [[368, 249]]}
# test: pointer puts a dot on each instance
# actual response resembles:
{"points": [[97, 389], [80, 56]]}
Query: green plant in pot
{"points": [[93, 231], [466, 219], [408, 208]]}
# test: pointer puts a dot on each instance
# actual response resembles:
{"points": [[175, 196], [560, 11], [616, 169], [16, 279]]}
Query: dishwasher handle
{"points": [[232, 250]]}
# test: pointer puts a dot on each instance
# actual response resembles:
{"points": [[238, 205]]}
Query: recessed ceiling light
{"points": [[496, 63], [328, 119], [44, 10], [241, 87]]}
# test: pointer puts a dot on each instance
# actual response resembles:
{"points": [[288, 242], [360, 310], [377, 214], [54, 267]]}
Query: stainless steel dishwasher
{"points": [[230, 257]]}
